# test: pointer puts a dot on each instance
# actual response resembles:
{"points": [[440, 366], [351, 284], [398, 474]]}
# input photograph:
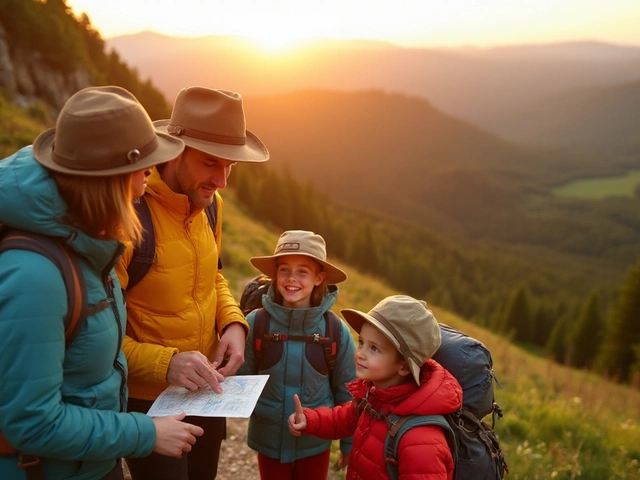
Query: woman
{"points": [[62, 409]]}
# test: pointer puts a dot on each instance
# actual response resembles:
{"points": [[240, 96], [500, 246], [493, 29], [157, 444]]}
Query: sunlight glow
{"points": [[280, 24]]}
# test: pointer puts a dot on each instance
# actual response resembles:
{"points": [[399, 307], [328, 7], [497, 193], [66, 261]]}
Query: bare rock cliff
{"points": [[25, 75]]}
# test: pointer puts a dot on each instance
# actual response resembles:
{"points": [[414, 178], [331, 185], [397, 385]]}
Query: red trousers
{"points": [[310, 468]]}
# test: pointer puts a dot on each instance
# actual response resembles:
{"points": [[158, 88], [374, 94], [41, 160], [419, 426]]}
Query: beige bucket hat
{"points": [[104, 131], [213, 122], [300, 242], [407, 323]]}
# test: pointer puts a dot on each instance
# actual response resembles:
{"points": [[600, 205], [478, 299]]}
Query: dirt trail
{"points": [[237, 460]]}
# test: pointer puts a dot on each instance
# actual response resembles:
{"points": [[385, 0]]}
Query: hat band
{"points": [[404, 348], [208, 137], [120, 160]]}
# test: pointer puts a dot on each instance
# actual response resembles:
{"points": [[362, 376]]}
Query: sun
{"points": [[276, 41]]}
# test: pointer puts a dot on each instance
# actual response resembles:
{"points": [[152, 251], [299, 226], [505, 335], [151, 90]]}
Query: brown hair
{"points": [[100, 206]]}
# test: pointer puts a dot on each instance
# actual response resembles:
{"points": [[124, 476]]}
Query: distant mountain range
{"points": [[515, 91], [399, 155], [603, 119]]}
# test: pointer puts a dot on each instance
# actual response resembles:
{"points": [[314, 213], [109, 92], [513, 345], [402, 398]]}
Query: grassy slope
{"points": [[559, 423]]}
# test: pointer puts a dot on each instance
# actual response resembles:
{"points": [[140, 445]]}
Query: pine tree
{"points": [[518, 316], [623, 329], [557, 345], [586, 337]]}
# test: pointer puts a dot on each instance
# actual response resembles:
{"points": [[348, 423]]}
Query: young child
{"points": [[395, 375], [303, 289]]}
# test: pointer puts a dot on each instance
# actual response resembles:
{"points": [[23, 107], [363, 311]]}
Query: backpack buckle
{"points": [[276, 336], [317, 338]]}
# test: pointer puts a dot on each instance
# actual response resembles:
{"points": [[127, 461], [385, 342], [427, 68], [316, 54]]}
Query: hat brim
{"points": [[168, 148], [253, 151], [356, 319], [267, 265]]}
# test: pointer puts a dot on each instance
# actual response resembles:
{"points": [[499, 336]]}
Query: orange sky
{"points": [[278, 23]]}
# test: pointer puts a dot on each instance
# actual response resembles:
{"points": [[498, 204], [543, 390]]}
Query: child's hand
{"points": [[297, 421], [343, 461]]}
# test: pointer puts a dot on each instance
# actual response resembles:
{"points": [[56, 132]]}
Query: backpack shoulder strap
{"points": [[212, 215], [398, 426], [61, 256], [260, 333], [333, 330], [143, 254]]}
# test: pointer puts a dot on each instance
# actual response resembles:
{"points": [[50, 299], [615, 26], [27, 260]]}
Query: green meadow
{"points": [[558, 423], [596, 188]]}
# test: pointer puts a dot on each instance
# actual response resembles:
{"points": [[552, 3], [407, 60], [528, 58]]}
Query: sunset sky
{"points": [[277, 23]]}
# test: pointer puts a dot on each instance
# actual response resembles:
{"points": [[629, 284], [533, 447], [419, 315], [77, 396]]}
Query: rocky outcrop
{"points": [[31, 80]]}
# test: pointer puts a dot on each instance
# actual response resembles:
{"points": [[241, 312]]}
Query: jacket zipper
{"points": [[109, 288]]}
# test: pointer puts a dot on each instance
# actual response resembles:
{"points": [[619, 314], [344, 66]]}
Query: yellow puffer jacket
{"points": [[183, 303]]}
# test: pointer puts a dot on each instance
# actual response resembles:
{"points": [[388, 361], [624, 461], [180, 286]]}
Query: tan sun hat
{"points": [[407, 323], [213, 122], [300, 242], [104, 131]]}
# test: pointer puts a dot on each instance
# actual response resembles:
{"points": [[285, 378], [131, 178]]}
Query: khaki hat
{"points": [[407, 323], [213, 122], [103, 131], [300, 242]]}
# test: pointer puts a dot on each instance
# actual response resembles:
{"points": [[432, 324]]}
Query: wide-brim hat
{"points": [[104, 131], [407, 323], [300, 242], [213, 121]]}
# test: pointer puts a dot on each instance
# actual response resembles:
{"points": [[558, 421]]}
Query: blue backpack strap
{"points": [[143, 254], [398, 426], [212, 215]]}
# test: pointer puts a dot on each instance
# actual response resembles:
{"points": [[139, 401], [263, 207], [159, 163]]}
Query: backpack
{"points": [[321, 351], [474, 446], [144, 254], [78, 309]]}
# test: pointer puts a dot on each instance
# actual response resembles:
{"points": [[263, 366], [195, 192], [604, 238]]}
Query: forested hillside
{"points": [[46, 54], [564, 310]]}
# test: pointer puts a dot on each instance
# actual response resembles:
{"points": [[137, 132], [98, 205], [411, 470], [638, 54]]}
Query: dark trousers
{"points": [[201, 463], [117, 473], [309, 468]]}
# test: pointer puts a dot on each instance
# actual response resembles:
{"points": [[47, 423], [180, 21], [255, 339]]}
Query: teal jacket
{"points": [[64, 406], [268, 430]]}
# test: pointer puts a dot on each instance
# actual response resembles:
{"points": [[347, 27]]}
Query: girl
{"points": [[302, 292], [61, 410]]}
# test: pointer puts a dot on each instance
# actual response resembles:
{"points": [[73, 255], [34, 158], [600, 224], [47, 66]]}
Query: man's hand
{"points": [[231, 348], [192, 370], [297, 420], [173, 436]]}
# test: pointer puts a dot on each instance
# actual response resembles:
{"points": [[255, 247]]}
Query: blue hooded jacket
{"points": [[293, 373], [63, 406]]}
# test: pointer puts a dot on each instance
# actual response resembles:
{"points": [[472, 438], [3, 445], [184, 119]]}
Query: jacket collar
{"points": [[177, 203]]}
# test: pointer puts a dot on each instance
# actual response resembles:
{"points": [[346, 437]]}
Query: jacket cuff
{"points": [[162, 367]]}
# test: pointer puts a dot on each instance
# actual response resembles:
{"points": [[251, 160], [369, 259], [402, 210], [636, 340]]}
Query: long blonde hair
{"points": [[100, 206]]}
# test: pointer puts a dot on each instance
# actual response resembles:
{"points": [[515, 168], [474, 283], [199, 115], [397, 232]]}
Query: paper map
{"points": [[238, 399]]}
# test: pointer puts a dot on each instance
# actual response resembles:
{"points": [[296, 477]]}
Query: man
{"points": [[182, 319]]}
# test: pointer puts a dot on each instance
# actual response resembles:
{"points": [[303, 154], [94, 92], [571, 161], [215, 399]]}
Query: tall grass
{"points": [[558, 423]]}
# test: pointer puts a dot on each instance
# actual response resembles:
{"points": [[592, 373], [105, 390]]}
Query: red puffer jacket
{"points": [[423, 453]]}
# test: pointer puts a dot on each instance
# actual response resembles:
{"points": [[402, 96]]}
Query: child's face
{"points": [[378, 360], [296, 276]]}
